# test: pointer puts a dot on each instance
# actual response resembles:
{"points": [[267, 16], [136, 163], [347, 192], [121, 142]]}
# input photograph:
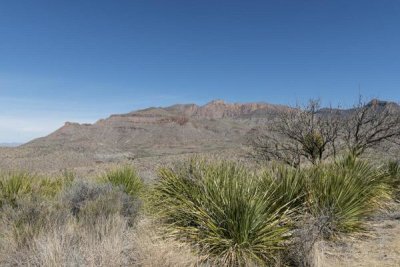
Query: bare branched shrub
{"points": [[308, 233], [312, 134], [369, 125], [300, 134]]}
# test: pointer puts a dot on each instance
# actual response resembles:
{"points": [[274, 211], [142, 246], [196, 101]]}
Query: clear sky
{"points": [[83, 60]]}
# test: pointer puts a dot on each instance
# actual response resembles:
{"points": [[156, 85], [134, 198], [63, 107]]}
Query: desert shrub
{"points": [[290, 189], [127, 178], [330, 199], [341, 195], [220, 209], [289, 185], [393, 169], [89, 202], [14, 186]]}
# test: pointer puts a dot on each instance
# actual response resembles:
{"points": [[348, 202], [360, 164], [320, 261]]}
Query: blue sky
{"points": [[83, 60]]}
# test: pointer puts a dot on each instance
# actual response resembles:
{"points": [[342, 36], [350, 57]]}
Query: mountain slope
{"points": [[159, 131]]}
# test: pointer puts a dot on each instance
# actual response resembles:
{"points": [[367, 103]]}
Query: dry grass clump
{"points": [[79, 224], [71, 243]]}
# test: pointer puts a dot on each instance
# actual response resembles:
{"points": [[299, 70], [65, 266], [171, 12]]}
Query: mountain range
{"points": [[158, 131]]}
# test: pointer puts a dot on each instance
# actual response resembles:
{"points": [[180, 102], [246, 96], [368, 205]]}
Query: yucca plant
{"points": [[221, 209], [342, 195], [127, 178], [13, 186], [289, 185], [393, 169]]}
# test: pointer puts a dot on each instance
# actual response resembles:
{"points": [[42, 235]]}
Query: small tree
{"points": [[369, 125], [300, 134]]}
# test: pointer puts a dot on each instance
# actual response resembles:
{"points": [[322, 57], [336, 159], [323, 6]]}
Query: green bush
{"points": [[14, 186], [127, 178], [342, 195], [221, 209]]}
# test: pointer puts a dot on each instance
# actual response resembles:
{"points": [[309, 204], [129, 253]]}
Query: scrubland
{"points": [[198, 212]]}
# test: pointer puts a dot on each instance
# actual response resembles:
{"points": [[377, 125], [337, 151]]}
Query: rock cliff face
{"points": [[219, 109]]}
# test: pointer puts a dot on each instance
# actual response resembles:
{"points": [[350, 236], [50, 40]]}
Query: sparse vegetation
{"points": [[216, 213], [59, 222]]}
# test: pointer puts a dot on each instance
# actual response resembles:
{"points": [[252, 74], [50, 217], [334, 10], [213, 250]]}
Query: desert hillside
{"points": [[157, 133], [152, 132]]}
